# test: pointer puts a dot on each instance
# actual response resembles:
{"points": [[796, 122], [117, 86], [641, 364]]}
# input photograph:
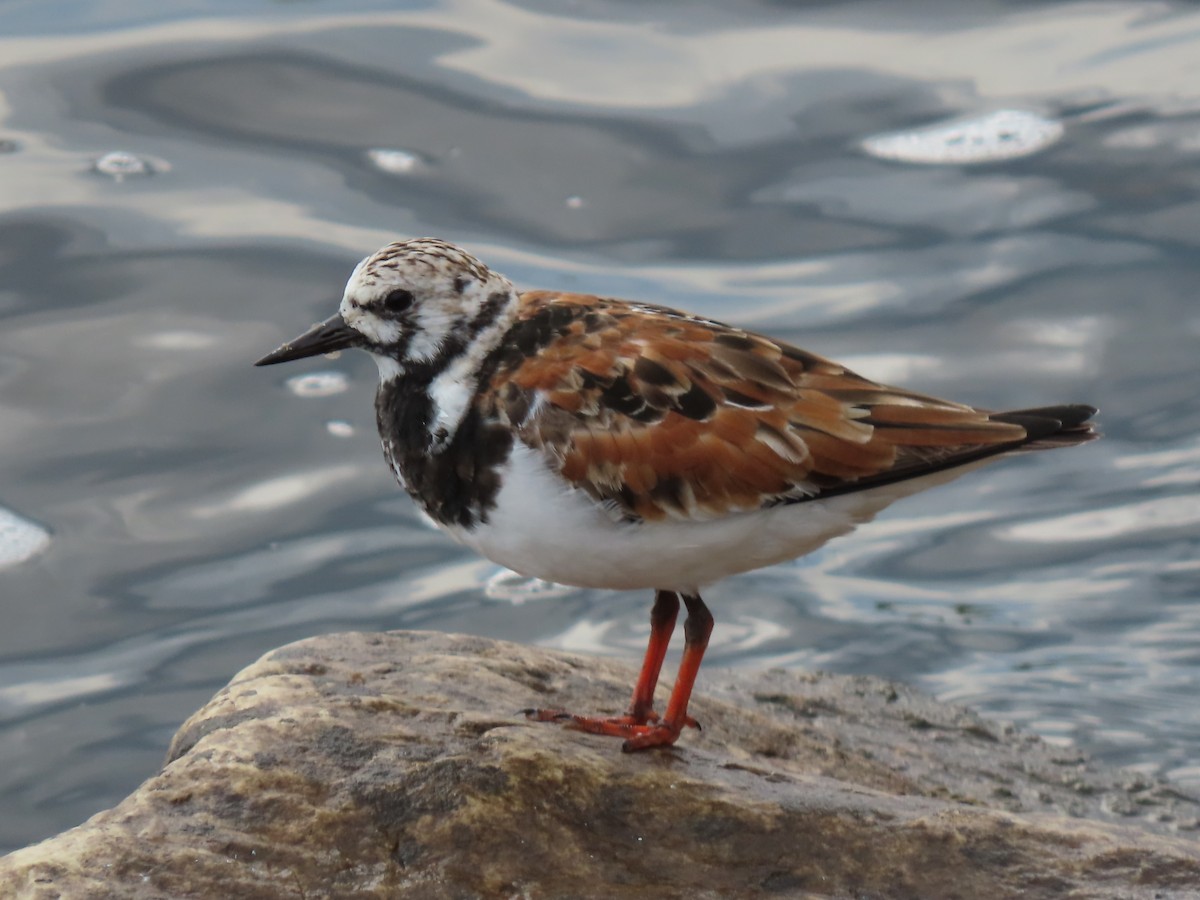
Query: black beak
{"points": [[324, 337]]}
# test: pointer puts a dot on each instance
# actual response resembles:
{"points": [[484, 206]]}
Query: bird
{"points": [[606, 443]]}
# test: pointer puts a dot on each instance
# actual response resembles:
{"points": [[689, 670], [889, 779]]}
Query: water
{"points": [[181, 190]]}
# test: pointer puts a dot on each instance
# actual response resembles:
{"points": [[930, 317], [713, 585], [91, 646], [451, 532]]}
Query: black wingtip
{"points": [[1053, 426]]}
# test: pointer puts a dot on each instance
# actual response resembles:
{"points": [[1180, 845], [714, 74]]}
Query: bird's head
{"points": [[410, 303]]}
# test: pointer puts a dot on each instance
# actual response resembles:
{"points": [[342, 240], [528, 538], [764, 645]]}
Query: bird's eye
{"points": [[398, 300]]}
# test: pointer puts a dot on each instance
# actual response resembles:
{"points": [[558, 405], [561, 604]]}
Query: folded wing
{"points": [[658, 414]]}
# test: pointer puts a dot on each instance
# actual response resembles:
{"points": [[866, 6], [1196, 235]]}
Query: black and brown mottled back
{"points": [[659, 414]]}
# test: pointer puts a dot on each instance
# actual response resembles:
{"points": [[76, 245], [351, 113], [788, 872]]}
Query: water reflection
{"points": [[1131, 520], [957, 202]]}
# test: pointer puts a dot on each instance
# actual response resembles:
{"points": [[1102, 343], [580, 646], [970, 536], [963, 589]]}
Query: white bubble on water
{"points": [[990, 137], [394, 162], [339, 428], [318, 384], [120, 164], [19, 538]]}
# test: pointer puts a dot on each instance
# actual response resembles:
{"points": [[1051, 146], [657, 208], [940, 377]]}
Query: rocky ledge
{"points": [[395, 765]]}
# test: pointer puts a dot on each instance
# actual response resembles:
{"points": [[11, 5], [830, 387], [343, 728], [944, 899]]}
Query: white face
{"points": [[410, 298]]}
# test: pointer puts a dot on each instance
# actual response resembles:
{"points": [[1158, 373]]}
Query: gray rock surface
{"points": [[395, 765]]}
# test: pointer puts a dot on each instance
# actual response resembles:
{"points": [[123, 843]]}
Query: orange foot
{"points": [[640, 732]]}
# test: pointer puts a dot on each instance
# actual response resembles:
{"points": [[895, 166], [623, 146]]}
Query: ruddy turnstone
{"points": [[608, 444]]}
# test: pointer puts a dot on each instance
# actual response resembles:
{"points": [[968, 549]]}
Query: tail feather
{"points": [[1052, 426], [1045, 428]]}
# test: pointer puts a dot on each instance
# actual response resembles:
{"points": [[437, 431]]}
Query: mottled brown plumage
{"points": [[663, 415]]}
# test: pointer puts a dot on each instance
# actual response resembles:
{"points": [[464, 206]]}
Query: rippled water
{"points": [[182, 190]]}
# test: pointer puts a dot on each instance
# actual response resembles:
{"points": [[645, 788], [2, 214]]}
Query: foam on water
{"points": [[19, 538], [1003, 134]]}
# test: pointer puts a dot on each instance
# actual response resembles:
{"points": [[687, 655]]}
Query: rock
{"points": [[395, 765]]}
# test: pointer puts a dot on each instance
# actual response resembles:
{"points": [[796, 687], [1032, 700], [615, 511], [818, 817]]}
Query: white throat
{"points": [[453, 388], [451, 392], [389, 369]]}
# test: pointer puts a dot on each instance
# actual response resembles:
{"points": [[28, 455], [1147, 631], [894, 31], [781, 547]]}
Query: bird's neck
{"points": [[428, 418], [441, 368]]}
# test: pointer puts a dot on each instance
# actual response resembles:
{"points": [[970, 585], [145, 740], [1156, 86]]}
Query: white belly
{"points": [[545, 529]]}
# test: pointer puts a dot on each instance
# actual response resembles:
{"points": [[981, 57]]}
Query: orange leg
{"points": [[662, 624], [696, 631], [641, 726]]}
